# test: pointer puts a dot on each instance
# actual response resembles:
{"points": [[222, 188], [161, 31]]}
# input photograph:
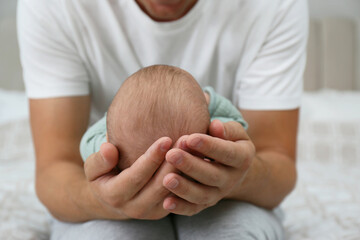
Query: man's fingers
{"points": [[134, 178], [232, 131], [189, 190], [180, 206], [102, 162], [223, 151], [154, 192], [217, 129], [206, 172]]}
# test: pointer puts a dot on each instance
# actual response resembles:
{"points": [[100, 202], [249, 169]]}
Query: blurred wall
{"points": [[10, 71], [341, 9]]}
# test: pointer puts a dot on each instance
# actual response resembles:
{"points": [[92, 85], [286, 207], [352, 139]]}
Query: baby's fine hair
{"points": [[154, 102]]}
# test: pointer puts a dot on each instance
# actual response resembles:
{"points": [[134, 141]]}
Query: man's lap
{"points": [[231, 220], [111, 230], [226, 220]]}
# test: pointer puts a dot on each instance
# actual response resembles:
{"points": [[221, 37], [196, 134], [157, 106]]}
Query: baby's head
{"points": [[154, 102]]}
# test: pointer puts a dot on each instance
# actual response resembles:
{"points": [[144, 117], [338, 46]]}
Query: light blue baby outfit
{"points": [[219, 108]]}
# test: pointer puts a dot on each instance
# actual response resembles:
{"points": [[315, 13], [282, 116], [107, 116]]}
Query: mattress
{"points": [[324, 205]]}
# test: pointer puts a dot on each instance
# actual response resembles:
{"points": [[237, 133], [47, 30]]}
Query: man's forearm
{"points": [[57, 126], [63, 189], [269, 180]]}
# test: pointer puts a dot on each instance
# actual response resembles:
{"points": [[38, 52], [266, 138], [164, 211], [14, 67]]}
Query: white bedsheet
{"points": [[21, 214], [324, 205]]}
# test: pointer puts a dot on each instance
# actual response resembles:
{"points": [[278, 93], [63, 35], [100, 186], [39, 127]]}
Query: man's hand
{"points": [[232, 151], [136, 192], [264, 179]]}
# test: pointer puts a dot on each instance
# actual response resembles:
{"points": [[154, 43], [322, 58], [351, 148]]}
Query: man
{"points": [[75, 55]]}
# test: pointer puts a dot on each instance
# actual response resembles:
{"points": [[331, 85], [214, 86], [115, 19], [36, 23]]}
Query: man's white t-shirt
{"points": [[250, 51]]}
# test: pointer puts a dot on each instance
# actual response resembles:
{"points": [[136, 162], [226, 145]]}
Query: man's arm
{"points": [[57, 126], [272, 175]]}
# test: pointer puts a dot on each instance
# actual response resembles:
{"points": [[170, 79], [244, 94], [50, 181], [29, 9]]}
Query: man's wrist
{"points": [[271, 177], [98, 209]]}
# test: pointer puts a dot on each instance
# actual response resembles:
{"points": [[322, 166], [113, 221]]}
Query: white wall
{"points": [[339, 8], [10, 70]]}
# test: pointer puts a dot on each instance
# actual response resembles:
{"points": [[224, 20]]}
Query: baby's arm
{"points": [[93, 138], [222, 109]]}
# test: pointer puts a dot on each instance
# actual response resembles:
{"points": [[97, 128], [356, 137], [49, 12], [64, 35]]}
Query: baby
{"points": [[154, 102]]}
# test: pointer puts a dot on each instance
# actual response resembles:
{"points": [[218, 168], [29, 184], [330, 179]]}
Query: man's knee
{"points": [[255, 222]]}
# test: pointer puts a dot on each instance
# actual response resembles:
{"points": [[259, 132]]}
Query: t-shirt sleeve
{"points": [[222, 109], [93, 138], [51, 64], [274, 78]]}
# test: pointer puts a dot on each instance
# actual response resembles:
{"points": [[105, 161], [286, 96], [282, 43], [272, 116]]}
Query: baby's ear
{"points": [[107, 139]]}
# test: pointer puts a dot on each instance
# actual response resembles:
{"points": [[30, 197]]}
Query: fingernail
{"points": [[176, 159], [164, 147], [172, 206], [183, 144], [224, 132], [173, 183], [195, 143]]}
